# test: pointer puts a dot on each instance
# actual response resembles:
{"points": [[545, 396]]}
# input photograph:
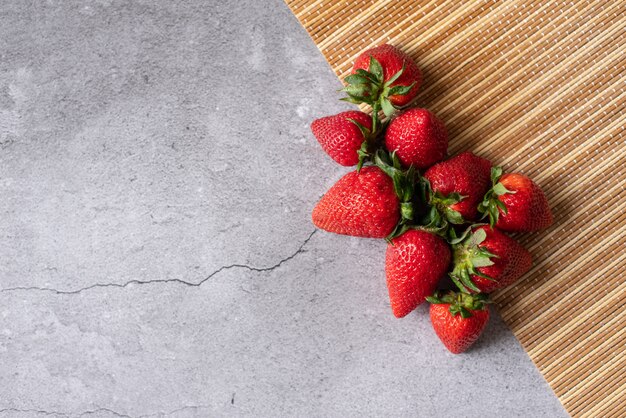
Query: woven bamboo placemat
{"points": [[539, 87]]}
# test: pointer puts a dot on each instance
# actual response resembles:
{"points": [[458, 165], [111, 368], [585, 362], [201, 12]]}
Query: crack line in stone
{"points": [[165, 414], [184, 282], [36, 411], [95, 411]]}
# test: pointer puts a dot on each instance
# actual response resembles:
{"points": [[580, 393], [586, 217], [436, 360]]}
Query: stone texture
{"points": [[156, 254]]}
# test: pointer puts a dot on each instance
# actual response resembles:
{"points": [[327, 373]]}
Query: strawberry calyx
{"points": [[406, 183], [468, 256], [460, 303], [370, 87], [491, 206], [404, 186], [440, 214], [369, 146]]}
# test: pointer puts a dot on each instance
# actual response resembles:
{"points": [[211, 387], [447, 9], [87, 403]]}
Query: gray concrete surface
{"points": [[156, 254]]}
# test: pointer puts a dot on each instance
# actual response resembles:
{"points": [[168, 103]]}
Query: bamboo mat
{"points": [[539, 87]]}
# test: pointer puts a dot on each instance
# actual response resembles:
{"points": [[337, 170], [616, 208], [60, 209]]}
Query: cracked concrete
{"points": [[105, 412], [139, 282], [102, 412], [157, 175]]}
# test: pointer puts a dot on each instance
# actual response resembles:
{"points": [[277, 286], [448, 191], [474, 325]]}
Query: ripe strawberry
{"points": [[392, 60], [415, 262], [486, 260], [362, 204], [457, 186], [340, 137], [515, 203], [458, 319], [418, 137]]}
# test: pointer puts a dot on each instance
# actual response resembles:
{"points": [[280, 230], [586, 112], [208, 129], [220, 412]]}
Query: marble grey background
{"points": [[157, 257]]}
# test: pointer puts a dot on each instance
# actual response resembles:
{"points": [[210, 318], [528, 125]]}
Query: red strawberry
{"points": [[392, 60], [415, 262], [341, 138], [458, 185], [515, 203], [487, 260], [362, 204], [458, 319], [418, 137]]}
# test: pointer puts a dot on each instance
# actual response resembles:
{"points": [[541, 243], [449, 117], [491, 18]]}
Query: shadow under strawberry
{"points": [[494, 335]]}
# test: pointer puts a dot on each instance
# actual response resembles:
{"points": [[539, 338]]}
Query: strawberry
{"points": [[418, 138], [415, 262], [362, 204], [398, 67], [341, 137], [457, 186], [458, 319], [515, 203], [485, 260]]}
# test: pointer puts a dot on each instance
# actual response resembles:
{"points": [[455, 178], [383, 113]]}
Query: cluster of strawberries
{"points": [[429, 210]]}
